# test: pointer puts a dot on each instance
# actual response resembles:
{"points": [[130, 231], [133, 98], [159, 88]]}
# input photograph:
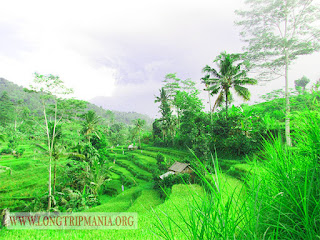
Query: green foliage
{"points": [[117, 134], [300, 84], [138, 125], [166, 121], [161, 162], [231, 74], [287, 30], [90, 124], [289, 189], [13, 148], [6, 110]]}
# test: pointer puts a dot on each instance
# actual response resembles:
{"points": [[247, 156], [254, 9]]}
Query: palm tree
{"points": [[90, 124], [230, 75], [138, 124], [166, 112], [206, 82]]}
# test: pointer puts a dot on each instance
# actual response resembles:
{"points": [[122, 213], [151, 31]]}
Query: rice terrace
{"points": [[144, 120]]}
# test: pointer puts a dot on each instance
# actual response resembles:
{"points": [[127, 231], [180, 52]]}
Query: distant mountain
{"points": [[124, 117], [142, 103], [32, 100]]}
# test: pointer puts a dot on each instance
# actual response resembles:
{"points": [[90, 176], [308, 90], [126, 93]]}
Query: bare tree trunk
{"points": [[50, 193], [139, 140], [54, 176], [210, 106], [287, 119], [50, 156]]}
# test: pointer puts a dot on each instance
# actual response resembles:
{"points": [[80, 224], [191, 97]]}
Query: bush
{"points": [[6, 151], [19, 152]]}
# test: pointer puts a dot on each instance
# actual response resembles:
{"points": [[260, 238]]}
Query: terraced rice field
{"points": [[29, 180]]}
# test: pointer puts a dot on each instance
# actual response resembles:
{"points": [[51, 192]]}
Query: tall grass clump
{"points": [[288, 196]]}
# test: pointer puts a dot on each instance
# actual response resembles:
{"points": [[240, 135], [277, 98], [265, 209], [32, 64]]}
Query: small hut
{"points": [[177, 168], [131, 147]]}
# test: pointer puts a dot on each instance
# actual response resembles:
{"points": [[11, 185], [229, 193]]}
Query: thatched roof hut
{"points": [[179, 167], [131, 147]]}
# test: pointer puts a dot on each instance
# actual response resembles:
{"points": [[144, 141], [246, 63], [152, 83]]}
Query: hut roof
{"points": [[179, 167], [166, 174]]}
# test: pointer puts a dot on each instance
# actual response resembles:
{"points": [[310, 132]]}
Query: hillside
{"points": [[32, 100]]}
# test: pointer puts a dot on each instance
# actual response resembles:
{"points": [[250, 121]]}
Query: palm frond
{"points": [[211, 71], [41, 147], [242, 92], [214, 89], [218, 101], [77, 155], [245, 81], [2, 138]]}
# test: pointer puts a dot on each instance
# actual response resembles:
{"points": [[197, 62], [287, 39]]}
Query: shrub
{"points": [[6, 151], [19, 152]]}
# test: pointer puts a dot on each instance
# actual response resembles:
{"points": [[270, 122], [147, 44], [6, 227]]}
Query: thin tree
{"points": [[206, 83], [138, 124], [165, 111], [50, 87], [231, 73], [277, 32]]}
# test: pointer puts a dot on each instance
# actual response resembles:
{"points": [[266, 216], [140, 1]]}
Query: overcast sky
{"points": [[122, 48]]}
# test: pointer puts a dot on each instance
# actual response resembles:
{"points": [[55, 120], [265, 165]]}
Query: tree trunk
{"points": [[139, 140], [50, 157], [210, 106], [287, 119], [54, 176], [49, 195], [286, 54], [226, 104]]}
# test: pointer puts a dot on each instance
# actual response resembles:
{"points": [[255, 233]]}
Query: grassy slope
{"points": [[143, 204]]}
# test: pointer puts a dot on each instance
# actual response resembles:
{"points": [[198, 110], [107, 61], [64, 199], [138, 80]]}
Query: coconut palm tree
{"points": [[206, 83], [90, 124], [231, 73], [138, 124], [166, 113]]}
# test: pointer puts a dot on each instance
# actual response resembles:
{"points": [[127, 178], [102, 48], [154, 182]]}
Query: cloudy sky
{"points": [[118, 51]]}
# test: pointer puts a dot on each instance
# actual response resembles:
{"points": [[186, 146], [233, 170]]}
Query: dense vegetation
{"points": [[91, 162], [253, 171]]}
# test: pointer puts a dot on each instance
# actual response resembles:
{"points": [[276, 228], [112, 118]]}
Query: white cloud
{"points": [[97, 47]]}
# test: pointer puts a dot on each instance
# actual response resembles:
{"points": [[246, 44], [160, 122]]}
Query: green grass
{"points": [[146, 218], [146, 201], [135, 170]]}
